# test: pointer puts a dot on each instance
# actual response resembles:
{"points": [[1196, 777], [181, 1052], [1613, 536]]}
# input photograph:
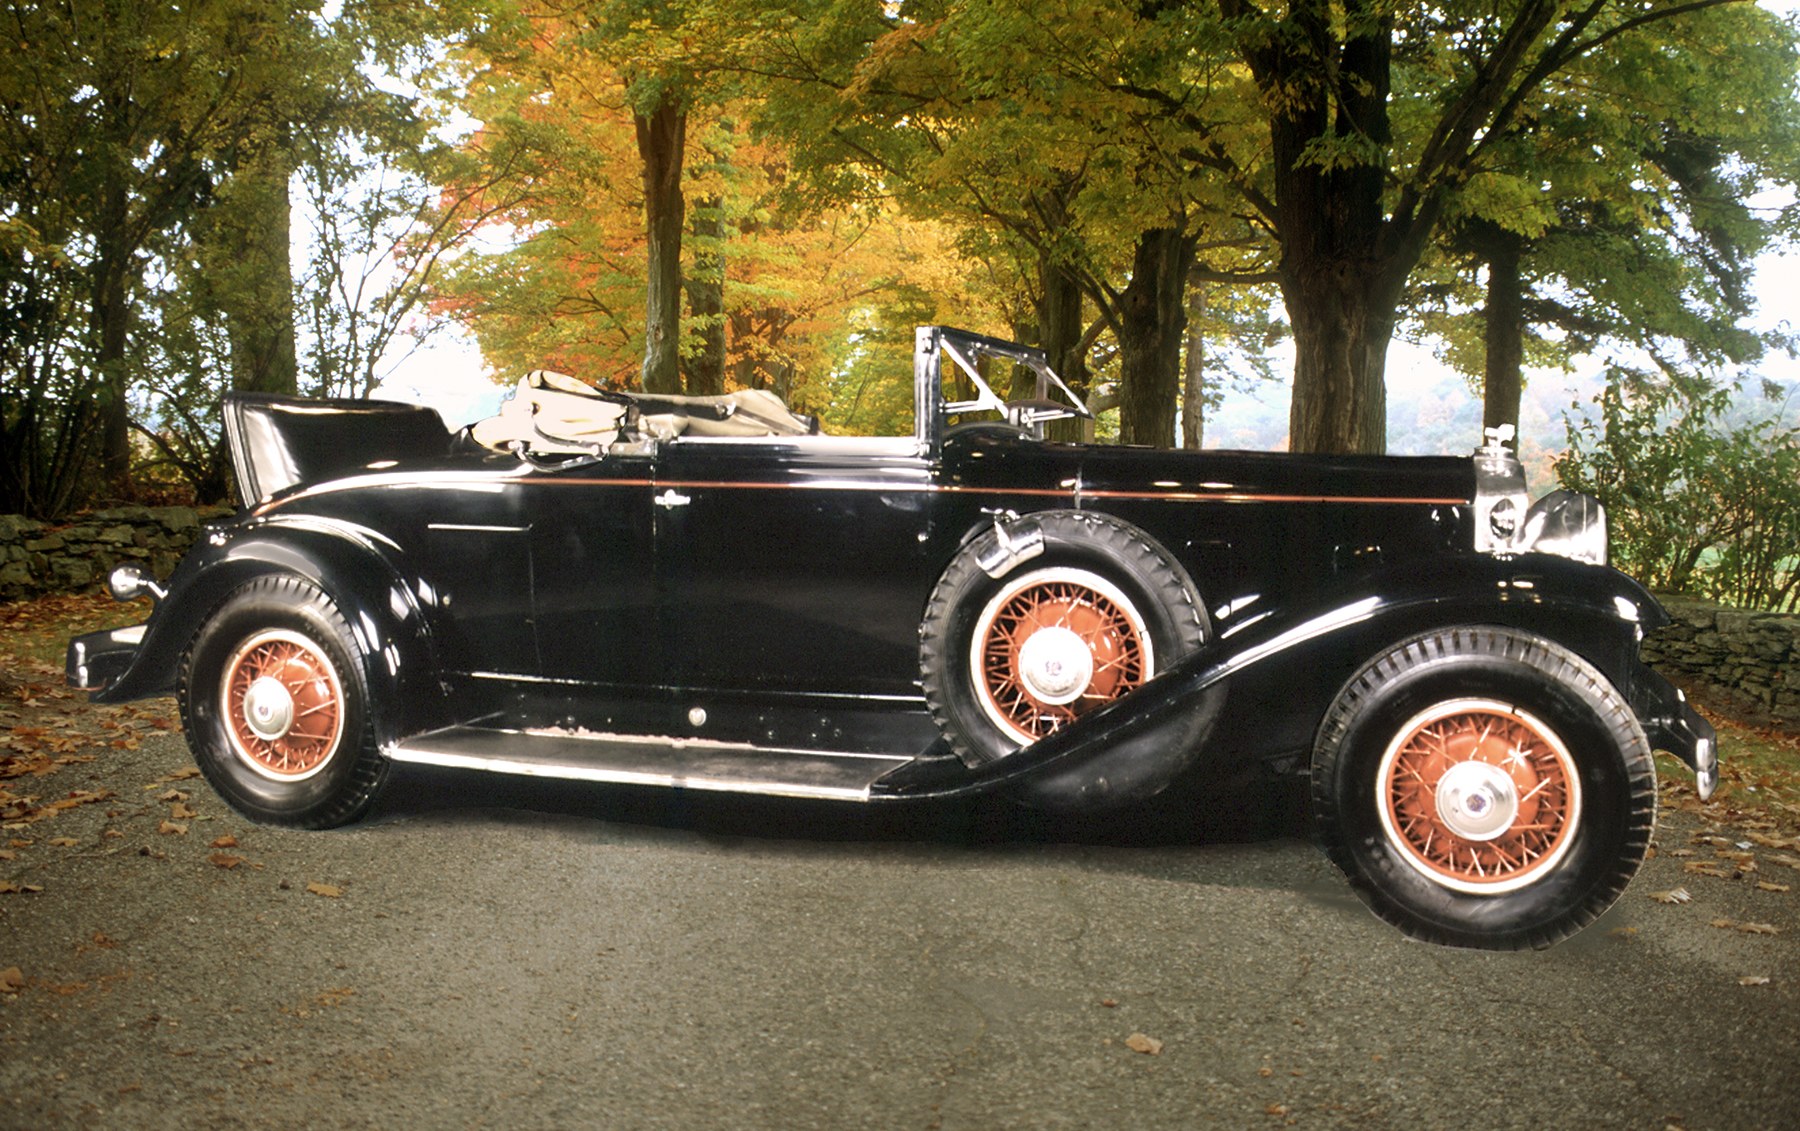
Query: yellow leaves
{"points": [[1140, 1043], [171, 828], [1746, 928], [180, 812], [63, 842], [8, 887], [329, 891]]}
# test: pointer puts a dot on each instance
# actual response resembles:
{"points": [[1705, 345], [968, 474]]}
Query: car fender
{"points": [[1258, 690], [356, 567]]}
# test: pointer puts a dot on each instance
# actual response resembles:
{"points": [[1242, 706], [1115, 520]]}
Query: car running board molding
{"points": [[726, 767]]}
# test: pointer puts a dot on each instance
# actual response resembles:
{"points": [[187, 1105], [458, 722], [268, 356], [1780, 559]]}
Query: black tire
{"points": [[274, 699], [1483, 787], [1108, 586]]}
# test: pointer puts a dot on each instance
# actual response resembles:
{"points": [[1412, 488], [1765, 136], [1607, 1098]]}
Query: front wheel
{"points": [[275, 704], [1486, 788]]}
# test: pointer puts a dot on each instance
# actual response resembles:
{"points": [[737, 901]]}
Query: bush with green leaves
{"points": [[1702, 495]]}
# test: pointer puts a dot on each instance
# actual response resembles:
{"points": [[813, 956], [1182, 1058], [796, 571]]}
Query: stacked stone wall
{"points": [[38, 557], [1750, 660]]}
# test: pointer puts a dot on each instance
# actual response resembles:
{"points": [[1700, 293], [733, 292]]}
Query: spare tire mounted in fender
{"points": [[1040, 620]]}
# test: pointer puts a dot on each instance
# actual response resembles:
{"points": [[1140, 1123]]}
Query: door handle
{"points": [[672, 498]]}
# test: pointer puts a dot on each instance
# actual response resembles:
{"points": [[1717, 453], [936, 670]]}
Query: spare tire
{"points": [[1098, 610]]}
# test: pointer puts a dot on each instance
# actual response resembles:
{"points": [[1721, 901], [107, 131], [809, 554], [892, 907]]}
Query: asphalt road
{"points": [[486, 953]]}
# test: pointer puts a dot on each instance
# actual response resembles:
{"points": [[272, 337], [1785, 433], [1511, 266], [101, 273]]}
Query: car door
{"points": [[594, 576], [792, 565]]}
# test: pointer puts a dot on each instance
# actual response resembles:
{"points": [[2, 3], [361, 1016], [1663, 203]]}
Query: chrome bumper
{"points": [[1671, 723], [98, 658]]}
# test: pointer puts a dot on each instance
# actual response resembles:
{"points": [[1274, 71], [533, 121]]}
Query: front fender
{"points": [[358, 568], [1259, 690]]}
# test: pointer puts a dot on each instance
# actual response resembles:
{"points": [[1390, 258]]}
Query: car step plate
{"points": [[728, 767]]}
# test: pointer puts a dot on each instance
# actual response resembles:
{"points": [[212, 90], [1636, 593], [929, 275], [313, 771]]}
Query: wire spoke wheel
{"points": [[1479, 796], [1054, 645], [283, 704]]}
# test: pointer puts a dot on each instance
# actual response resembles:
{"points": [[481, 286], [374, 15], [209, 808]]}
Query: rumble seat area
{"points": [[553, 413]]}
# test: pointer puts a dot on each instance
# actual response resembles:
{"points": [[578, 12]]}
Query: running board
{"points": [[728, 767]]}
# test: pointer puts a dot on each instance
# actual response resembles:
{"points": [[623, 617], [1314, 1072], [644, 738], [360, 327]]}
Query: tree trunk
{"points": [[1341, 334], [1503, 379], [1059, 329], [252, 241], [1193, 383], [705, 287], [661, 139], [108, 321], [1341, 268], [1152, 317]]}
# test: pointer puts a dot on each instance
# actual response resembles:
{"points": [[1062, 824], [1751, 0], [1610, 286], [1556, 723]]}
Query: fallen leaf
{"points": [[182, 774], [170, 828], [63, 841], [1265, 1071], [8, 854], [1276, 1109], [1673, 895], [7, 887], [329, 891], [172, 795], [180, 812], [1708, 868], [1754, 980], [104, 941], [1747, 928], [224, 842], [12, 980], [1769, 885], [225, 860], [1149, 1046], [1781, 858]]}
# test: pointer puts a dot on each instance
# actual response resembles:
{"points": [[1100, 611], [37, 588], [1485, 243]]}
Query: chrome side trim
{"points": [[659, 761]]}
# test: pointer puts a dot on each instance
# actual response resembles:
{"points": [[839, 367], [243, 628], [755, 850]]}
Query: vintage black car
{"points": [[704, 593]]}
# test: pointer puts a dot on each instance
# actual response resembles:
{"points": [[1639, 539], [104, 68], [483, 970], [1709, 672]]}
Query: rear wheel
{"points": [[274, 701], [1483, 787]]}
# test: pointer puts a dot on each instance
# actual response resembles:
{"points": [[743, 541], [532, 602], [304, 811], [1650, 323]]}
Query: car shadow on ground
{"points": [[1254, 808]]}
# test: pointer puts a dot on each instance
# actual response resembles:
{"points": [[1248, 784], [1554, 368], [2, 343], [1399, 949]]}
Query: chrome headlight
{"points": [[1567, 524]]}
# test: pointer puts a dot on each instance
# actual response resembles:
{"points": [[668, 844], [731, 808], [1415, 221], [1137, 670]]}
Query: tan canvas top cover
{"points": [[552, 412], [556, 413]]}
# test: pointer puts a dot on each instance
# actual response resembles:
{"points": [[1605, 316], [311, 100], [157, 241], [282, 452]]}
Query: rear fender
{"points": [[356, 567]]}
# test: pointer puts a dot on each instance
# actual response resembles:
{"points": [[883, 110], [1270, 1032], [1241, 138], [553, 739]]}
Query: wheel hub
{"points": [[1055, 665], [268, 708], [283, 705], [1479, 796], [1477, 801]]}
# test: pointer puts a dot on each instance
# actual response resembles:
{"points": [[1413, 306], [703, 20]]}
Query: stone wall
{"points": [[1750, 660], [37, 557]]}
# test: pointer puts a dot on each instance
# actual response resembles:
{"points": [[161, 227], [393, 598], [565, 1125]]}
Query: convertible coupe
{"points": [[706, 593]]}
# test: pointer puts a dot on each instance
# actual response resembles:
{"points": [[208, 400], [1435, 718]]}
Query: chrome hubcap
{"points": [[1477, 801], [268, 709], [1055, 665]]}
